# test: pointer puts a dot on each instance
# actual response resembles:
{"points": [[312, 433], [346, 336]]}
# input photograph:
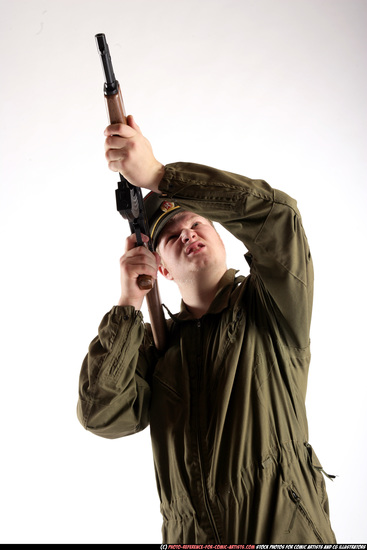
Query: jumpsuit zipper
{"points": [[299, 507], [200, 451]]}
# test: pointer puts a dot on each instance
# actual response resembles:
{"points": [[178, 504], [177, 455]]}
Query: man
{"points": [[226, 400]]}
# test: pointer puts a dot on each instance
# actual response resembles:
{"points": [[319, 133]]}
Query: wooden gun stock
{"points": [[116, 114]]}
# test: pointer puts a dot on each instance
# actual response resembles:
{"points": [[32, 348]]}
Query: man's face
{"points": [[189, 245]]}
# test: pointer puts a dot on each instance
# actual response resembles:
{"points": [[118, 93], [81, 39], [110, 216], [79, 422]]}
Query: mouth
{"points": [[194, 248]]}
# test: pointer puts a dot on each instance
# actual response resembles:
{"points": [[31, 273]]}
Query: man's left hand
{"points": [[130, 153]]}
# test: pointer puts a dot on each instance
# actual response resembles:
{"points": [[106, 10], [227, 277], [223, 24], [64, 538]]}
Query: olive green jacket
{"points": [[226, 402]]}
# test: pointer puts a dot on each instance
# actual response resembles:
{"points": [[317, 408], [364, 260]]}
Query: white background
{"points": [[272, 89]]}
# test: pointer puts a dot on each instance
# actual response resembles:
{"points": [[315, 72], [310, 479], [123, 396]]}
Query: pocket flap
{"points": [[314, 461], [312, 456]]}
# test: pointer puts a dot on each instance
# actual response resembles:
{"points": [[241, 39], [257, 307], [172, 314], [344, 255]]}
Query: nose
{"points": [[187, 235]]}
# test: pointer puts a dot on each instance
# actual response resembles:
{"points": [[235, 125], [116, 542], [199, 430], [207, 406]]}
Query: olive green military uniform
{"points": [[226, 402]]}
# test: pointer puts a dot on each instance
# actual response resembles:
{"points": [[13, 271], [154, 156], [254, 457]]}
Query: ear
{"points": [[164, 271]]}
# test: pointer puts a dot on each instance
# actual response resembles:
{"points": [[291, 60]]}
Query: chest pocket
{"points": [[225, 335]]}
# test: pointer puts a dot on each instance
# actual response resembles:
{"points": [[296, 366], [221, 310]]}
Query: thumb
{"points": [[131, 122]]}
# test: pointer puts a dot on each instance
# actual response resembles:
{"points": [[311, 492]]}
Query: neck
{"points": [[199, 292]]}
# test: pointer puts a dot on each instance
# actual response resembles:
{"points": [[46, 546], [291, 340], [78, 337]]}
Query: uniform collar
{"points": [[220, 301]]}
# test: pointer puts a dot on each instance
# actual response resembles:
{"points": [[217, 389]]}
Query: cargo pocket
{"points": [[301, 516], [315, 463]]}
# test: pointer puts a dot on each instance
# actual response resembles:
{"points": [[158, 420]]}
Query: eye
{"points": [[195, 224], [171, 237]]}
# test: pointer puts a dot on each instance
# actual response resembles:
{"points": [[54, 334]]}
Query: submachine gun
{"points": [[129, 199]]}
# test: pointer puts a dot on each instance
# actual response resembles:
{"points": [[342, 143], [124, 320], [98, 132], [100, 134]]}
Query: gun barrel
{"points": [[111, 85]]}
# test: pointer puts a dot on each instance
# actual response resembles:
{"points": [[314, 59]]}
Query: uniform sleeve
{"points": [[114, 382], [269, 224]]}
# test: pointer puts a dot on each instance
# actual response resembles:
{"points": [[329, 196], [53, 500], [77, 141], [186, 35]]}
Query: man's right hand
{"points": [[137, 260]]}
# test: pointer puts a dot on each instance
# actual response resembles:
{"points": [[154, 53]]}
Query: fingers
{"points": [[127, 151], [140, 257], [138, 261], [131, 244], [119, 129], [127, 131], [115, 143], [118, 143], [116, 151], [131, 241]]}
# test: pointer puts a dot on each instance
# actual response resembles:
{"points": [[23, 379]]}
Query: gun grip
{"points": [[145, 282]]}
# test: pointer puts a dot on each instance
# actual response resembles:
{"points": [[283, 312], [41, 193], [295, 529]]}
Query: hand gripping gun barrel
{"points": [[129, 199]]}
